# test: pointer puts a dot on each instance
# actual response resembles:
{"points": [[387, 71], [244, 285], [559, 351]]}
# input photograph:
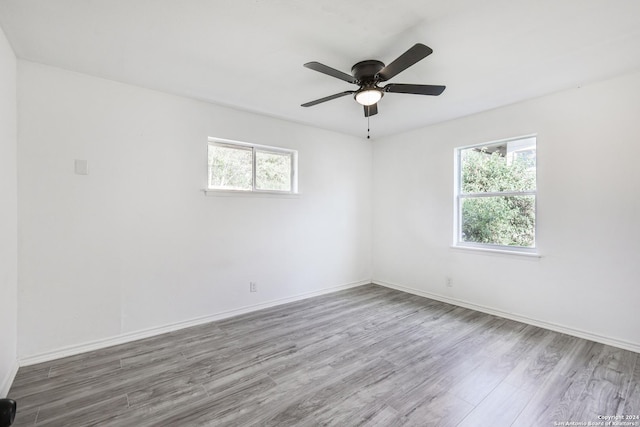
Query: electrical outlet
{"points": [[253, 287], [449, 282]]}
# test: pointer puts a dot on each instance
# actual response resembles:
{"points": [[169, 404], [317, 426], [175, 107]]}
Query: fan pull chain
{"points": [[368, 127]]}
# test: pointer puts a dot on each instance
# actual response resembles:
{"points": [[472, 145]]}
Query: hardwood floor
{"points": [[367, 356]]}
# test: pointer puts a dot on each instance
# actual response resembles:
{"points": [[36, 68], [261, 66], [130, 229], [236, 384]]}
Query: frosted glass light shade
{"points": [[368, 96]]}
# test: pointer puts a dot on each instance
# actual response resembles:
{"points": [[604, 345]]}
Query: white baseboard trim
{"points": [[625, 345], [146, 333], [5, 384]]}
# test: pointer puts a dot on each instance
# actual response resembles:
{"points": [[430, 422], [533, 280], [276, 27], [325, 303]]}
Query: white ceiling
{"points": [[249, 53]]}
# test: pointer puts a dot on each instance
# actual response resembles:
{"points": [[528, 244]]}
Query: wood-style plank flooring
{"points": [[367, 356]]}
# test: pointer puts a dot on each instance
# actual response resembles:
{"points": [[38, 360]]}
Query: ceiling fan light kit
{"points": [[368, 74], [368, 96]]}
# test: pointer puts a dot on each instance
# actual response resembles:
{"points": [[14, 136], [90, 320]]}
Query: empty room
{"points": [[328, 213]]}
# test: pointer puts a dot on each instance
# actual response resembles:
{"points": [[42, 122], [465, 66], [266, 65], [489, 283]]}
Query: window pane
{"points": [[230, 168], [273, 171], [506, 166], [505, 220]]}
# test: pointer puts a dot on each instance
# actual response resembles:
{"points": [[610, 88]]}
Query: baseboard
{"points": [[133, 336], [5, 384], [625, 345]]}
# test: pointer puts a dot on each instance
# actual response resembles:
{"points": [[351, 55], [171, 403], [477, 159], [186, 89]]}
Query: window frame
{"points": [[459, 196], [228, 143]]}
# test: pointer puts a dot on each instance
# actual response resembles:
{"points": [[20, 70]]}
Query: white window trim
{"points": [[498, 250], [254, 192], [457, 202], [248, 193]]}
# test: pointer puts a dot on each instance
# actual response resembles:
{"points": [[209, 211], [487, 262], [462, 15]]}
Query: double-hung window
{"points": [[496, 195], [239, 166]]}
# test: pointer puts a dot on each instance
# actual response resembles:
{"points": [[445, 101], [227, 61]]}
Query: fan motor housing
{"points": [[365, 71]]}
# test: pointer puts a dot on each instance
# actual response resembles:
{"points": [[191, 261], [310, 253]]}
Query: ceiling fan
{"points": [[368, 74]]}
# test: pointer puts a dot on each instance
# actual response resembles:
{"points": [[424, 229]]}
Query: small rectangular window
{"points": [[496, 195], [240, 166]]}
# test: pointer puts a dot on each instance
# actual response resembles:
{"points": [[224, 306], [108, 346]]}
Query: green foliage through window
{"points": [[273, 171], [231, 167], [497, 198]]}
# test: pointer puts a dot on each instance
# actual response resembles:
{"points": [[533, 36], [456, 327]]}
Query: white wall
{"points": [[135, 244], [8, 218], [588, 213]]}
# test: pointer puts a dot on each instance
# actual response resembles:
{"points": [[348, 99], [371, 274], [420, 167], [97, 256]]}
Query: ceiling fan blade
{"points": [[414, 89], [316, 66], [327, 98], [370, 110], [417, 52]]}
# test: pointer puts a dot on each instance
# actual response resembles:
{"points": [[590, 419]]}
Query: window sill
{"points": [[260, 194], [490, 251]]}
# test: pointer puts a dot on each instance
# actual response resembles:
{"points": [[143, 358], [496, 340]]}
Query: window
{"points": [[239, 166], [496, 195]]}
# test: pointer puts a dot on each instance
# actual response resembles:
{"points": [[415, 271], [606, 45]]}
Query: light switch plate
{"points": [[81, 167]]}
